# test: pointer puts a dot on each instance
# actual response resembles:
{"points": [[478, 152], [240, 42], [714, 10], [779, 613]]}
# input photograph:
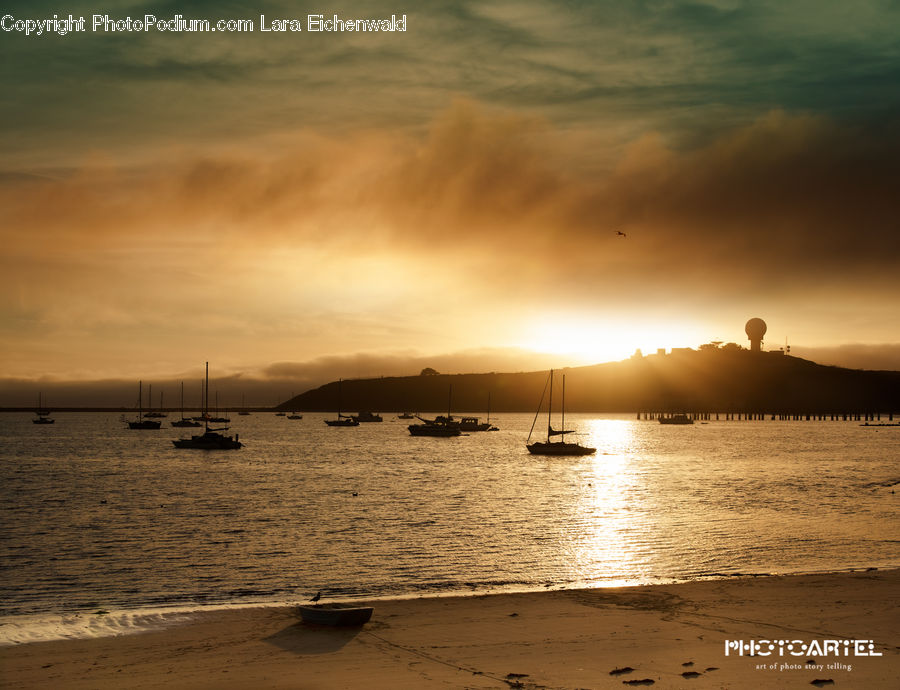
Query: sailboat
{"points": [[204, 415], [293, 414], [367, 416], [210, 439], [560, 447], [140, 422], [474, 424], [155, 413], [244, 411], [441, 426], [184, 421], [217, 419], [342, 419], [42, 414]]}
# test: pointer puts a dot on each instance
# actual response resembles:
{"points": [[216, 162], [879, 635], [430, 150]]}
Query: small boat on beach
{"points": [[550, 447], [336, 614]]}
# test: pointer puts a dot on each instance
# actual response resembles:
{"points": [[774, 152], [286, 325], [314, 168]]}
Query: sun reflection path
{"points": [[605, 541]]}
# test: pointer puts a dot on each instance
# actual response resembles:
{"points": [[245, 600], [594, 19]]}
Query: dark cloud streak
{"points": [[788, 196]]}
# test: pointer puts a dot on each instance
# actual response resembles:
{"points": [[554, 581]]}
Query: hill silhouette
{"points": [[713, 380]]}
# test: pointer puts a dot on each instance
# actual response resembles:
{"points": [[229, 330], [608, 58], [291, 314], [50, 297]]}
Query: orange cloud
{"points": [[492, 178], [485, 202]]}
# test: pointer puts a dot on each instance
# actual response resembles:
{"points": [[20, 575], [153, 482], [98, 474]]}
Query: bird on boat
{"points": [[316, 598], [620, 233]]}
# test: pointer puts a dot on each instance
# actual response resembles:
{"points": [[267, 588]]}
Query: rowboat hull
{"points": [[336, 615]]}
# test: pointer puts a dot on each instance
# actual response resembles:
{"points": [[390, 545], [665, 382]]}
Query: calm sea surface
{"points": [[96, 516]]}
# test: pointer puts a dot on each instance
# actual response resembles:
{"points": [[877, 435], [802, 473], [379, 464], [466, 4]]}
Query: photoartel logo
{"points": [[801, 648]]}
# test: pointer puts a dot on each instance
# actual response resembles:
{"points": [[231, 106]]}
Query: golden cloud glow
{"points": [[474, 234]]}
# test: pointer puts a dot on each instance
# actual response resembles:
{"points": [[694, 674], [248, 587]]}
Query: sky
{"points": [[290, 206]]}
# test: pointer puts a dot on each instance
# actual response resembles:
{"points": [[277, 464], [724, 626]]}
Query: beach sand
{"points": [[559, 639]]}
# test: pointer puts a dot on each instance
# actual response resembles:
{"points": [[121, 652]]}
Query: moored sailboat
{"points": [[210, 439], [154, 414], [217, 419], [342, 419], [184, 422], [140, 422], [43, 416], [550, 447], [366, 416], [441, 426], [474, 424]]}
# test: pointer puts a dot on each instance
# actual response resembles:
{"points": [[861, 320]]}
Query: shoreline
{"points": [[672, 634], [81, 623]]}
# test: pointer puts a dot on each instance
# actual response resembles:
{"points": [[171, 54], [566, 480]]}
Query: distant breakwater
{"points": [[752, 416]]}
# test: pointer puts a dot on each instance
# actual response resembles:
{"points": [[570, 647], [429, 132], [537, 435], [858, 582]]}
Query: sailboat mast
{"points": [[563, 422], [206, 405], [550, 408], [449, 398], [140, 399]]}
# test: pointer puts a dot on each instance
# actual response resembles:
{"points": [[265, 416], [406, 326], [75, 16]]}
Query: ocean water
{"points": [[96, 517]]}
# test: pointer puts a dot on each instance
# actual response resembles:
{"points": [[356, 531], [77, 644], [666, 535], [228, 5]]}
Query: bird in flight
{"points": [[621, 234]]}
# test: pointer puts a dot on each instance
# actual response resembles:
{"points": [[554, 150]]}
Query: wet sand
{"points": [[672, 635]]}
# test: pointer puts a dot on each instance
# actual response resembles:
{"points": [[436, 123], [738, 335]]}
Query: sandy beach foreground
{"points": [[667, 636]]}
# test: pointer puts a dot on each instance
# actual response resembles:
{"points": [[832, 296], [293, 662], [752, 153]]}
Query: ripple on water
{"points": [[97, 516]]}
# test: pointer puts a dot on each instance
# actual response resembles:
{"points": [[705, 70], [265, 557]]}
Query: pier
{"points": [[780, 416]]}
